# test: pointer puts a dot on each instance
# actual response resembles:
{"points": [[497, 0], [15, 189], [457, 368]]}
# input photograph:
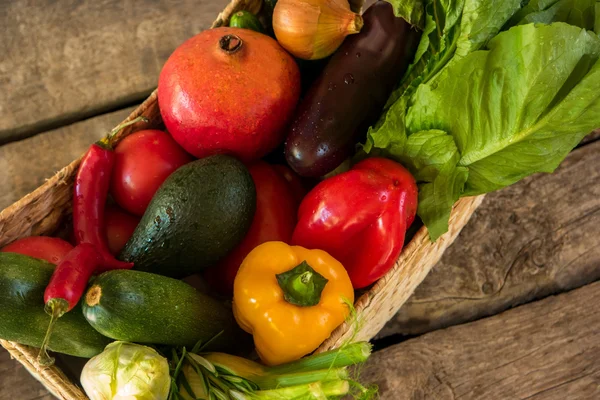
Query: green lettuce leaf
{"points": [[546, 142], [513, 110], [581, 13], [481, 21], [432, 157], [436, 47], [529, 7], [411, 10], [597, 20], [467, 121]]}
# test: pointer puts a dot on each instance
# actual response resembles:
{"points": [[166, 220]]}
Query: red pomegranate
{"points": [[228, 90]]}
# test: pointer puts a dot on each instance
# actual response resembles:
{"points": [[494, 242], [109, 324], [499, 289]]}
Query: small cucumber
{"points": [[141, 307], [23, 320], [246, 20]]}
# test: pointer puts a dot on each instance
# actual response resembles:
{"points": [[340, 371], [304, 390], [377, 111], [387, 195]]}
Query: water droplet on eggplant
{"points": [[348, 79]]}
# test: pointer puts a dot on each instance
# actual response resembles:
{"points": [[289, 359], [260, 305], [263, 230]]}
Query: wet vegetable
{"points": [[66, 286], [89, 198], [47, 248], [143, 160], [350, 93]]}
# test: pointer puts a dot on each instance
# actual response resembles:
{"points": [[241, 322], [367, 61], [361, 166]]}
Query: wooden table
{"points": [[508, 313]]}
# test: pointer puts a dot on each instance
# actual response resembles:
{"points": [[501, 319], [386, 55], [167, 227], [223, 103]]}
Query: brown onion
{"points": [[314, 29]]}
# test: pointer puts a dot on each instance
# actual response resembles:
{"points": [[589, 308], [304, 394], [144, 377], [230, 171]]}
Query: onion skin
{"points": [[350, 93], [314, 29]]}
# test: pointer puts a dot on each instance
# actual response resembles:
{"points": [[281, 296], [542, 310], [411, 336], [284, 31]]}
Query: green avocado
{"points": [[199, 214]]}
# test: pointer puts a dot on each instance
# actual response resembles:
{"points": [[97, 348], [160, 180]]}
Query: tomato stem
{"points": [[105, 142], [56, 308]]}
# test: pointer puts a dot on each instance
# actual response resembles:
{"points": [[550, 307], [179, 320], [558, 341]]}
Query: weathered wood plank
{"points": [[68, 60], [546, 350], [595, 135], [525, 242], [17, 382], [26, 164]]}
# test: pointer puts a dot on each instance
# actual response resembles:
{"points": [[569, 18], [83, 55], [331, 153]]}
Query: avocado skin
{"points": [[200, 213]]}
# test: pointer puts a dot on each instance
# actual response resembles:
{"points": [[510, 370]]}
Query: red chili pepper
{"points": [[360, 217], [91, 188], [66, 286]]}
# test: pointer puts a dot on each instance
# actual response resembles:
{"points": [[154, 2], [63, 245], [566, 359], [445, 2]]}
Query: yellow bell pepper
{"points": [[290, 299]]}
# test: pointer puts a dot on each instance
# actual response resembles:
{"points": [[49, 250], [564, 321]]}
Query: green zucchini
{"points": [[23, 320], [142, 307], [246, 20]]}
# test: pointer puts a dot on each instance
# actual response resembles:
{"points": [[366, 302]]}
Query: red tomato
{"points": [[119, 227], [274, 220], [47, 248], [143, 161], [294, 181]]}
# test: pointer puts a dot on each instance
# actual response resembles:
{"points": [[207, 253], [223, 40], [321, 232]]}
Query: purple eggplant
{"points": [[350, 93]]}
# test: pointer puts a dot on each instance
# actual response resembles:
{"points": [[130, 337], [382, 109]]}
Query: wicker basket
{"points": [[43, 211]]}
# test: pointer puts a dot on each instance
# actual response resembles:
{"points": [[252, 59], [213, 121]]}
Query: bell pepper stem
{"points": [[302, 285]]}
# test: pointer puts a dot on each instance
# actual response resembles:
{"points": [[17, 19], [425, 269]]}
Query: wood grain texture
{"points": [[17, 382], [595, 135], [546, 350], [26, 164], [525, 242], [72, 59]]}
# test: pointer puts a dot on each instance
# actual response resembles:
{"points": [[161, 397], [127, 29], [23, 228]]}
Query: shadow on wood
{"points": [[546, 350]]}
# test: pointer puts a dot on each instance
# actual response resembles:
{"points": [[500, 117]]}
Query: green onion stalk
{"points": [[227, 377]]}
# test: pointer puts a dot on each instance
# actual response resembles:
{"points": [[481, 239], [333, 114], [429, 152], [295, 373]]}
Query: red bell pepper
{"points": [[360, 217], [274, 220]]}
